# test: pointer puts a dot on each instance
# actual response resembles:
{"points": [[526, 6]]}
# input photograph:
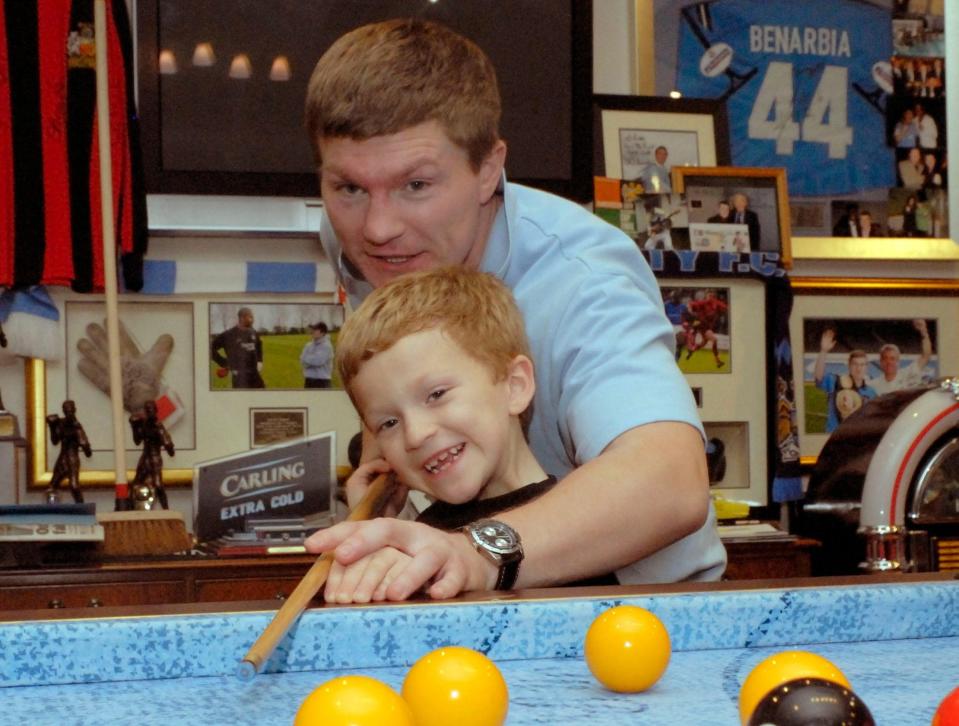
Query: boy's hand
{"points": [[360, 481], [445, 559], [367, 579]]}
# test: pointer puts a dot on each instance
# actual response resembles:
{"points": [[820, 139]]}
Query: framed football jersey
{"points": [[805, 86]]}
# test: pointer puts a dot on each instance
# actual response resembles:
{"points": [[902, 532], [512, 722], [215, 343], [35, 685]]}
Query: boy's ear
{"points": [[521, 383]]}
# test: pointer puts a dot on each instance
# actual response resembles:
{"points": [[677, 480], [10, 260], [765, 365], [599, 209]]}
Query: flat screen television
{"points": [[206, 130]]}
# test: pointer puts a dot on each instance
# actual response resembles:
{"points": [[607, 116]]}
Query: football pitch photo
{"points": [[703, 361], [815, 409], [281, 362]]}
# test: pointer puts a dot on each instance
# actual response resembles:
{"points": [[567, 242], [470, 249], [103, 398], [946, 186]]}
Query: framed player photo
{"points": [[641, 139], [256, 345], [856, 339], [754, 198], [168, 346], [732, 397]]}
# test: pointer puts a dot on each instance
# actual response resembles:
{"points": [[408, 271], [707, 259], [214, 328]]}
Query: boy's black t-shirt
{"points": [[448, 517]]}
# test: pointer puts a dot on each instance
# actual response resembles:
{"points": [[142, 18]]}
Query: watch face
{"points": [[496, 537]]}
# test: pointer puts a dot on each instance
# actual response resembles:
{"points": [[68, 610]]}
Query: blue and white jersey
{"points": [[802, 86]]}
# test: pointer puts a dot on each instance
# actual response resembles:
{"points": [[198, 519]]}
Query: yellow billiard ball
{"points": [[789, 665], [627, 648], [353, 701], [456, 686]]}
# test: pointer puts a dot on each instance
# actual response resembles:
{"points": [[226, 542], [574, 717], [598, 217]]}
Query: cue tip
{"points": [[245, 670]]}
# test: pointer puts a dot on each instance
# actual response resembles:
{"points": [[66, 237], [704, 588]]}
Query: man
{"points": [[658, 224], [316, 360], [847, 392], [655, 176], [404, 120], [848, 223], [927, 129], [244, 352], [723, 214], [868, 228], [743, 215], [894, 379]]}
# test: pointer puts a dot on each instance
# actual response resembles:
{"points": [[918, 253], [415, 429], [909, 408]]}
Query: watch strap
{"points": [[508, 572]]}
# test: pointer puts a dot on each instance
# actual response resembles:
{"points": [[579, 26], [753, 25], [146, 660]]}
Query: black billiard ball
{"points": [[811, 702]]}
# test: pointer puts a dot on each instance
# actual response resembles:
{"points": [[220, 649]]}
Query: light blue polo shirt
{"points": [[601, 344]]}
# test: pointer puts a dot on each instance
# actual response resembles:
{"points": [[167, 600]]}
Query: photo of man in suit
{"points": [[742, 214]]}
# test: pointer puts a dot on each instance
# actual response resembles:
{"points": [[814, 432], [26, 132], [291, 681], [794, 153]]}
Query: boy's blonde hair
{"points": [[474, 309], [386, 77]]}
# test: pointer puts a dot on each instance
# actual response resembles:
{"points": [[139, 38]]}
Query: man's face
{"points": [[408, 201], [739, 202], [661, 155], [889, 363], [318, 333], [723, 209], [245, 319], [857, 369]]}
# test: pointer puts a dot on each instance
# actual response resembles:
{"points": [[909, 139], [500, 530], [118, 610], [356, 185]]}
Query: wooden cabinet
{"points": [[273, 578], [770, 560], [152, 583]]}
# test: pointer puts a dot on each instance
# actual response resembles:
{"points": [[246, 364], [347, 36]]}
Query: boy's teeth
{"points": [[441, 461]]}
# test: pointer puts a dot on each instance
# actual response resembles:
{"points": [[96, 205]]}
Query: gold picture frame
{"points": [[759, 184], [882, 301]]}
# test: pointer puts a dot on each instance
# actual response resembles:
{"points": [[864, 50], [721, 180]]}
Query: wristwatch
{"points": [[501, 545]]}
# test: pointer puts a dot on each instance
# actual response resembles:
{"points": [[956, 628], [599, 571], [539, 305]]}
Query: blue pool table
{"points": [[896, 638]]}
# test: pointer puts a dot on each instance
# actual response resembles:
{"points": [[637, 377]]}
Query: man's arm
{"points": [[925, 344], [826, 343], [215, 346], [649, 485]]}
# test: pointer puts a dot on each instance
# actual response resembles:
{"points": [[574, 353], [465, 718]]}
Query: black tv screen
{"points": [[214, 121]]}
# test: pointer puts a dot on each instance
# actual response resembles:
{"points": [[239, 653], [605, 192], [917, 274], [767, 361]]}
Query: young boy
{"points": [[438, 367]]}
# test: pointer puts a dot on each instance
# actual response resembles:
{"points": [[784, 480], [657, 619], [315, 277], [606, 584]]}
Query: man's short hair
{"points": [[473, 308], [891, 348], [386, 77], [320, 326], [243, 311], [858, 353]]}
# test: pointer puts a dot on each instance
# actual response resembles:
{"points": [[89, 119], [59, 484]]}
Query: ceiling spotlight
{"points": [[280, 70], [203, 55], [167, 62], [241, 67]]}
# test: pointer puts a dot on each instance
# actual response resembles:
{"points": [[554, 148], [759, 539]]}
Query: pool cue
{"points": [[122, 500], [378, 494]]}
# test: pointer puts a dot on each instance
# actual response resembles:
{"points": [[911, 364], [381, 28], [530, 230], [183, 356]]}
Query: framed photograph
{"points": [[168, 345], [856, 339], [270, 426], [643, 138], [714, 319], [754, 197], [273, 346]]}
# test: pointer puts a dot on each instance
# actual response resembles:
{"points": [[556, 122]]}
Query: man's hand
{"points": [[141, 371], [444, 563], [828, 340], [920, 325], [367, 579]]}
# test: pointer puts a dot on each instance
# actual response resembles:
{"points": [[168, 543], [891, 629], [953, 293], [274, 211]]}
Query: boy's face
{"points": [[440, 420], [408, 201]]}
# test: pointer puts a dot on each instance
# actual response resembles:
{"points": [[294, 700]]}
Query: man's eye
{"points": [[349, 189], [387, 424], [417, 185], [436, 395]]}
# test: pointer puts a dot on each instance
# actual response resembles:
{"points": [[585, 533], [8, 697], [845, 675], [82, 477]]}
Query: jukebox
{"points": [[884, 494]]}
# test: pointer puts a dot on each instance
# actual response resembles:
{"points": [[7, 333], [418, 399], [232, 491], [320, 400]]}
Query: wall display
{"points": [[754, 198], [734, 405], [854, 340], [221, 103], [168, 346], [272, 345], [641, 139], [818, 97]]}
